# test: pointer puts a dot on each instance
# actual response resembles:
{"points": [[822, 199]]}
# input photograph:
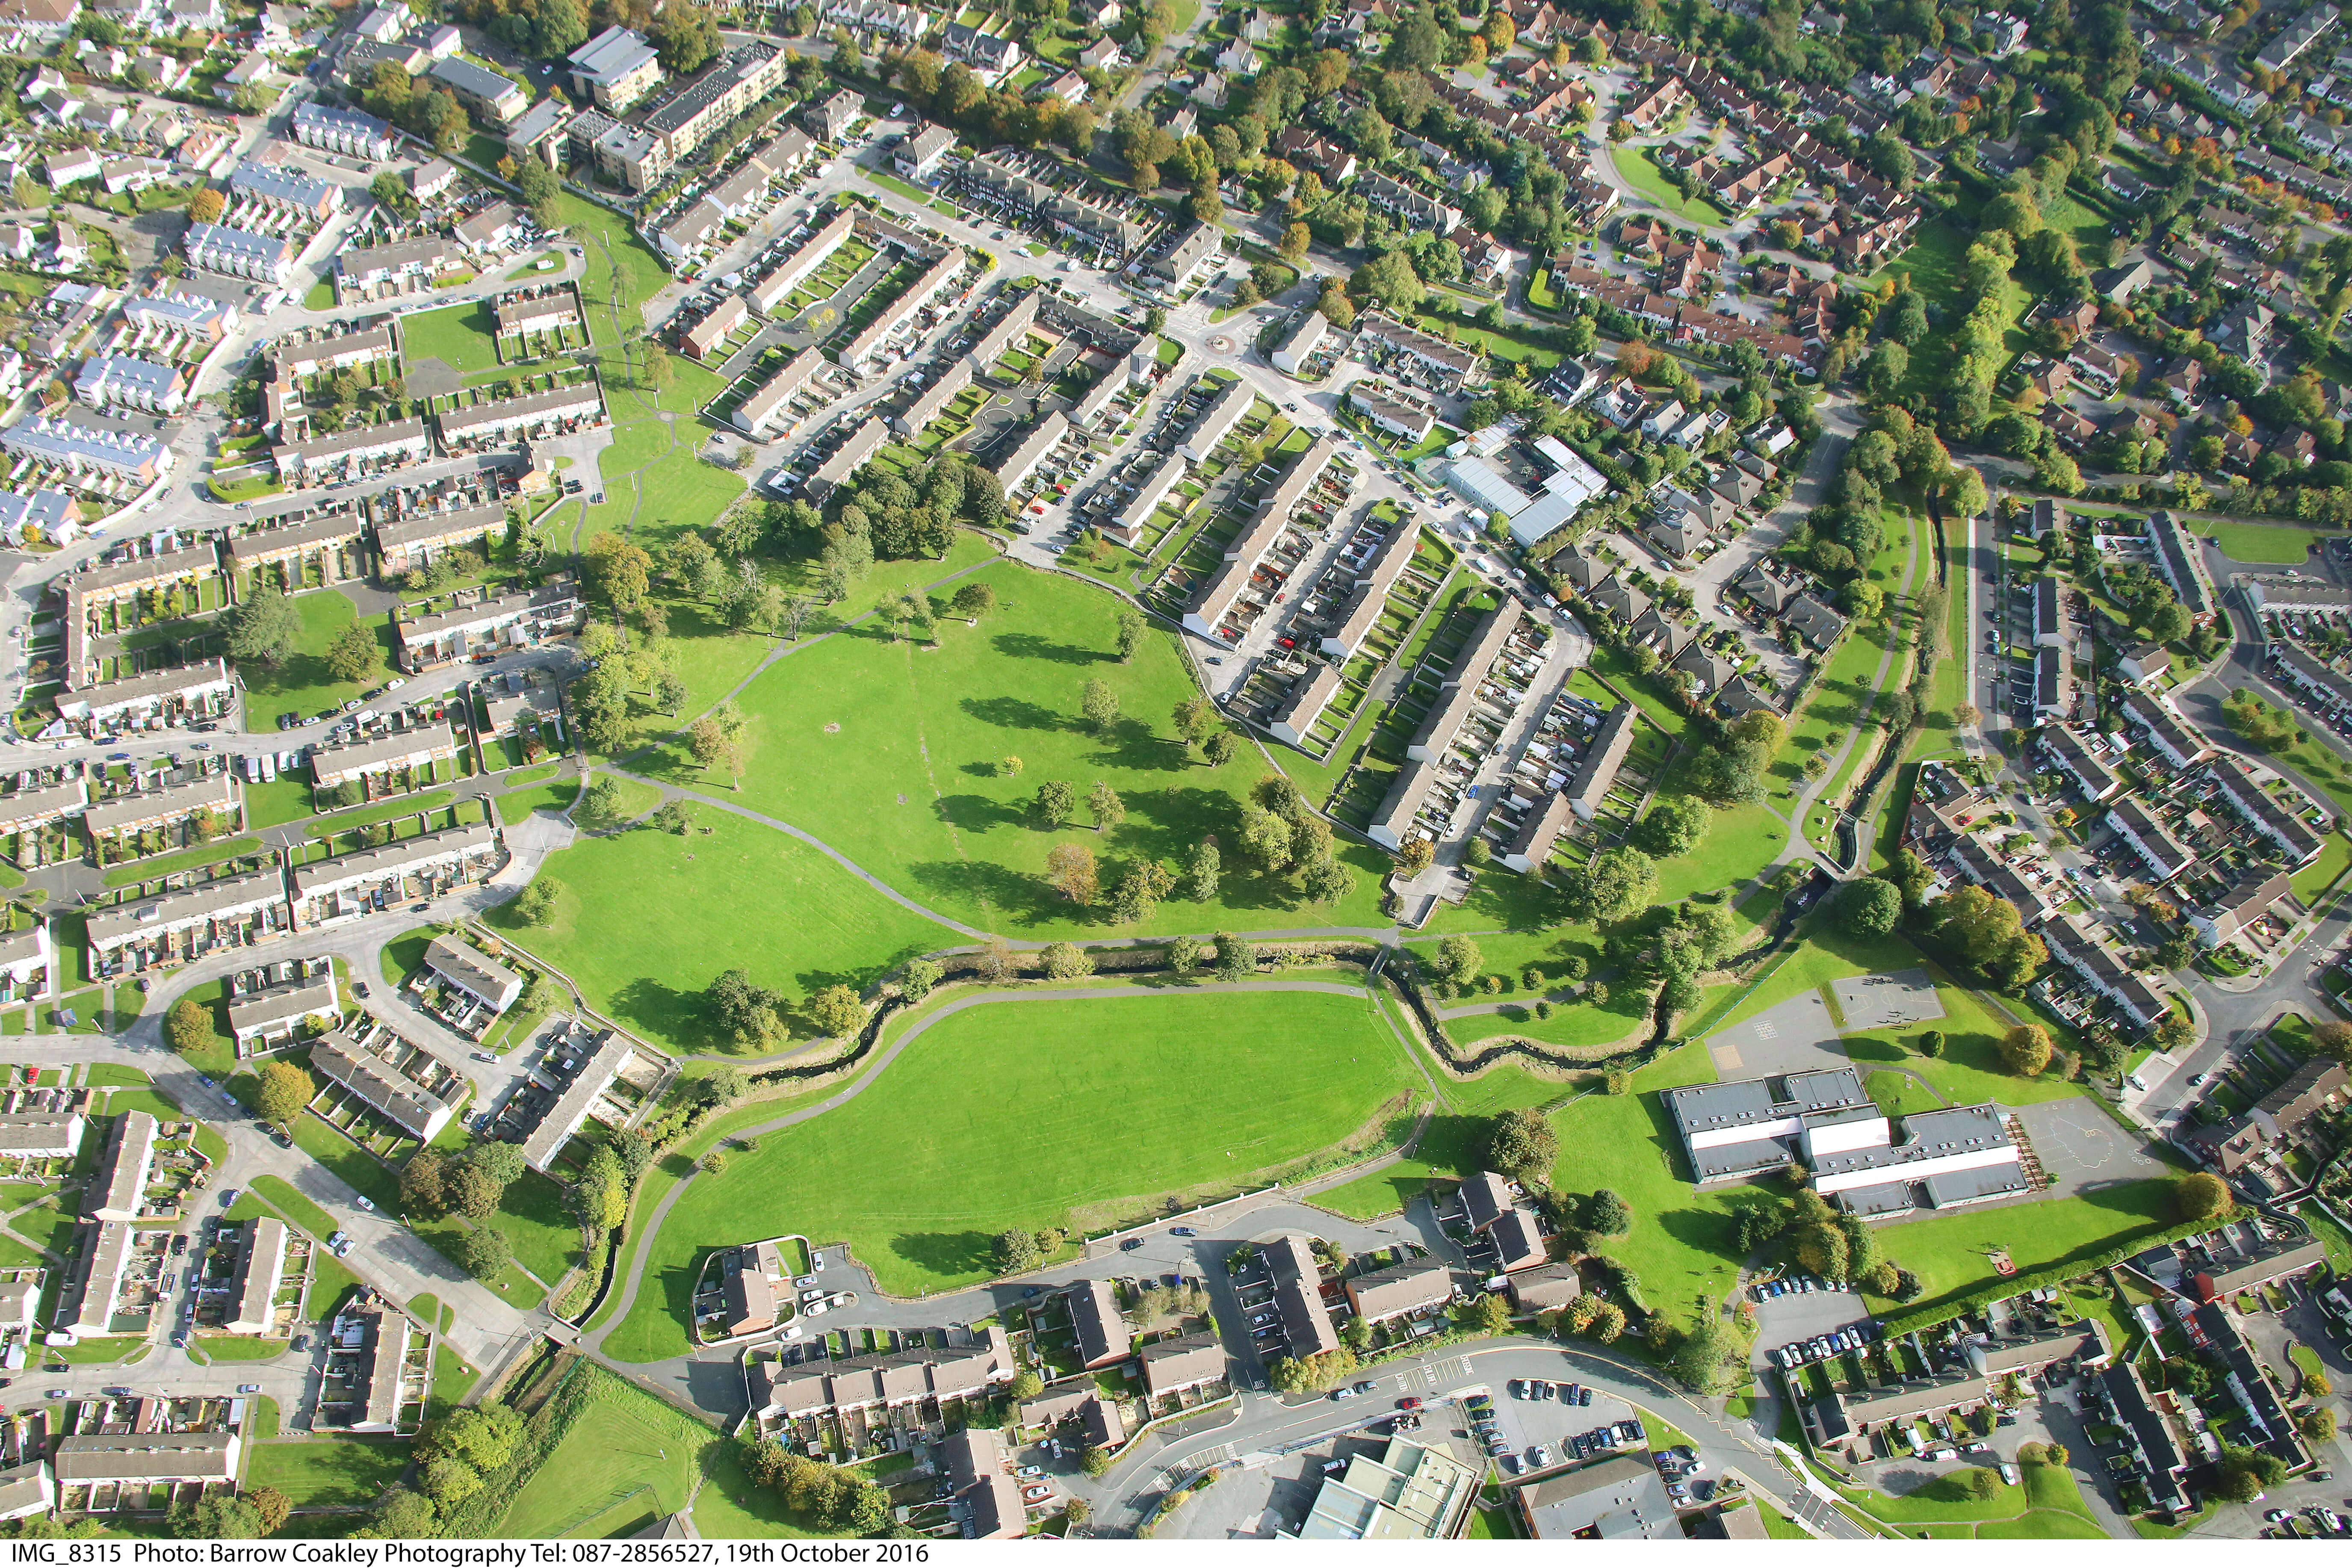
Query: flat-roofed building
{"points": [[474, 971], [149, 1459], [347, 886], [1947, 1159], [1412, 1492], [1733, 1131], [691, 113], [543, 1145], [411, 542], [253, 1290], [415, 1107], [174, 927], [615, 68], [40, 1134]]}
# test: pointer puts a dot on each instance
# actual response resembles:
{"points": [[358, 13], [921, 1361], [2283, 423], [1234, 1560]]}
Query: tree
{"points": [[1609, 1323], [1055, 801], [1016, 1252], [1608, 1213], [618, 571], [1071, 871], [2202, 1195], [2332, 1037], [1068, 961], [1869, 906], [684, 36], [485, 1252], [919, 977], [1185, 954], [1612, 885], [1099, 704], [424, 1183], [973, 601], [542, 194], [1130, 634], [206, 204], [2026, 1049], [471, 1192], [717, 738], [1202, 871], [285, 1088], [1674, 825], [838, 1011], [1522, 1144], [1219, 748], [217, 1516], [1236, 959], [1707, 1357], [748, 1013], [1458, 961], [273, 1506], [189, 1026], [262, 629], [558, 29], [1103, 805], [352, 655]]}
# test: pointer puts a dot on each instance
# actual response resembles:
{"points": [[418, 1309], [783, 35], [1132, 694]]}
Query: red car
{"points": [[1408, 1404]]}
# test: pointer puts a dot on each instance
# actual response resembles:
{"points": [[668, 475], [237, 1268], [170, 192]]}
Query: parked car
{"points": [[248, 1388]]}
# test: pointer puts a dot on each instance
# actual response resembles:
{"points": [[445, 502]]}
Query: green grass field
{"points": [[1015, 1113], [738, 895], [157, 866], [460, 336], [890, 752], [325, 1472], [2270, 544], [628, 1459], [303, 683], [1641, 169]]}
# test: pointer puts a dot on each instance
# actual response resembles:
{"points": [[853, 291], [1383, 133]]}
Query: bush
{"points": [[2202, 1195]]}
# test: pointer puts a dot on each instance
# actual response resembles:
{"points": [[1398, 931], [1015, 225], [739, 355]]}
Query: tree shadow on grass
{"points": [[667, 1013], [1020, 898], [1016, 714], [946, 1253], [1028, 645], [978, 813], [1131, 745]]}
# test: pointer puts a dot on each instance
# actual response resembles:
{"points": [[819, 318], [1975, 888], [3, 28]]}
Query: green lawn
{"points": [[1086, 1103], [1641, 169], [303, 683], [461, 337], [328, 1471], [628, 1460], [404, 955], [731, 1507], [621, 270], [2272, 543], [739, 895], [890, 752], [1947, 1251]]}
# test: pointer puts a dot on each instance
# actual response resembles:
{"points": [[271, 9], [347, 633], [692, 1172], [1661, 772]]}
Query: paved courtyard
{"points": [[1795, 1036], [1888, 1000], [2082, 1149]]}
